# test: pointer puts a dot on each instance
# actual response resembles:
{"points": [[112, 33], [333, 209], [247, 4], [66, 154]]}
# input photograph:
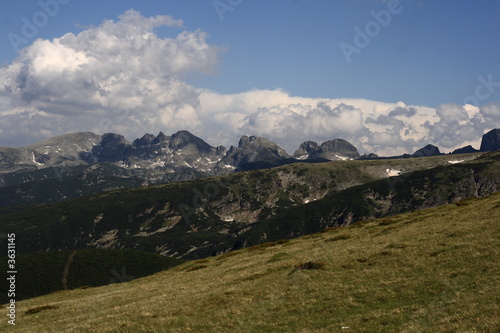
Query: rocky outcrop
{"points": [[111, 148], [253, 148], [429, 150], [306, 149], [465, 150], [491, 141], [333, 150], [187, 141]]}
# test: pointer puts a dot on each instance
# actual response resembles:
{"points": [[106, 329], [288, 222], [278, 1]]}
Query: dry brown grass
{"points": [[431, 271]]}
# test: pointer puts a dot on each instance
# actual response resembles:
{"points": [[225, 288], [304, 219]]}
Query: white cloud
{"points": [[372, 126], [122, 77], [118, 76]]}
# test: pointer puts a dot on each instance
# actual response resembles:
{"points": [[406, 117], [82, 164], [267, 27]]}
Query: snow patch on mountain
{"points": [[393, 172]]}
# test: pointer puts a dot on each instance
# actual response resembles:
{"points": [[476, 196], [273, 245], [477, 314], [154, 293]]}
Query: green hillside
{"points": [[60, 184], [434, 270]]}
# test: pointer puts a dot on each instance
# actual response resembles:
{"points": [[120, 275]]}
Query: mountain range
{"points": [[213, 215], [168, 153], [213, 201], [78, 164]]}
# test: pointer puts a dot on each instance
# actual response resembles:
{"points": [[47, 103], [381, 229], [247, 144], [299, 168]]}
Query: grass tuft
{"points": [[310, 265], [268, 244]]}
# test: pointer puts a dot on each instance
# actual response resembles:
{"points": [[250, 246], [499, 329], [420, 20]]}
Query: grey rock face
{"points": [[182, 156], [338, 149], [251, 149], [145, 141], [334, 150], [429, 150], [465, 150], [491, 141], [369, 156], [305, 150], [64, 150], [111, 148], [185, 140]]}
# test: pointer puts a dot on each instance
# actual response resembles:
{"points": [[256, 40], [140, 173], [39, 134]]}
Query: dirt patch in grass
{"points": [[268, 244], [337, 238], [226, 255], [311, 265], [396, 246], [40, 309], [196, 268], [308, 265]]}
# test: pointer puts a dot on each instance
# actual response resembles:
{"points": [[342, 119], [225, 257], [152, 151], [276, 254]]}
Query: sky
{"points": [[389, 76]]}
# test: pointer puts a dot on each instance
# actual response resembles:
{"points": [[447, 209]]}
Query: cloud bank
{"points": [[122, 77], [119, 76], [372, 126]]}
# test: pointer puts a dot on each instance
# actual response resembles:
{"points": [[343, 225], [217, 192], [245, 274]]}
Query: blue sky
{"points": [[430, 53]]}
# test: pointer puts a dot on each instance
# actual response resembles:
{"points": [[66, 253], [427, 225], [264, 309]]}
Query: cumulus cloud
{"points": [[122, 77], [463, 124], [119, 76], [372, 126]]}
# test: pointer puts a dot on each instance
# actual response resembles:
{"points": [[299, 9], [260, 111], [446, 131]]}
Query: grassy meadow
{"points": [[434, 270]]}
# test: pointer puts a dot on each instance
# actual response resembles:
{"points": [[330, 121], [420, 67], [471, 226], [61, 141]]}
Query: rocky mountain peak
{"points": [[145, 141], [336, 149], [149, 139], [465, 150], [183, 155], [259, 143], [305, 149], [111, 148], [429, 150], [184, 139], [339, 147], [160, 138], [491, 140], [253, 148], [245, 140]]}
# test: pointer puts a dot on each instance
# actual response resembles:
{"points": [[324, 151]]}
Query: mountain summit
{"points": [[253, 149], [334, 150], [491, 140], [155, 159], [429, 150]]}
